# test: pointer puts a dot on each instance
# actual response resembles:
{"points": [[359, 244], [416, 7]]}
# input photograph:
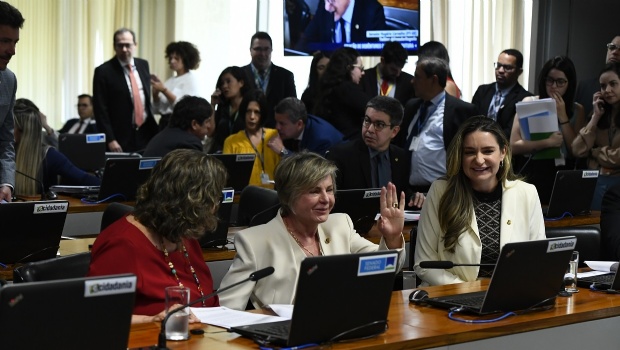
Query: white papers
{"points": [[604, 266], [538, 119], [224, 317], [282, 310]]}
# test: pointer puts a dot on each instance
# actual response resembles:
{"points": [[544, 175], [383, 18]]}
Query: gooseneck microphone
{"points": [[254, 276], [44, 195], [445, 264]]}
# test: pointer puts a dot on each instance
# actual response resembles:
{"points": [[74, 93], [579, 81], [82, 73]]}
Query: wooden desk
{"points": [[580, 321], [593, 219]]}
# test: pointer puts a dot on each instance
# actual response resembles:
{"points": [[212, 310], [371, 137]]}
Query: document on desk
{"points": [[224, 317]]}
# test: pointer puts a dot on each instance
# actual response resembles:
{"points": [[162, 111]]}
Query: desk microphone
{"points": [[49, 195], [446, 264], [254, 276]]}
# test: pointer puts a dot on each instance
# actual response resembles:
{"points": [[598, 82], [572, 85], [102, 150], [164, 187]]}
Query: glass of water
{"points": [[177, 326], [570, 279]]}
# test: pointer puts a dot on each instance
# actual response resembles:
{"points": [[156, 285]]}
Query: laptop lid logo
{"points": [[46, 208], [227, 196], [372, 194], [588, 174], [245, 158], [95, 138], [376, 264], [560, 245], [120, 285], [147, 164]]}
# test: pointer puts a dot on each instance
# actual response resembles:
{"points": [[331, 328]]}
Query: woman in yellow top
{"points": [[254, 138]]}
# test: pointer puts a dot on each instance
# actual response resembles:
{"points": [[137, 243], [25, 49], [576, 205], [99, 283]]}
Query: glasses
{"points": [[507, 68], [261, 49], [558, 82], [330, 1], [361, 67], [612, 47], [82, 105], [378, 125]]}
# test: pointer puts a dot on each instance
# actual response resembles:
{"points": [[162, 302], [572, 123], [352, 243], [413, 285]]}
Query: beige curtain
{"points": [[62, 42]]}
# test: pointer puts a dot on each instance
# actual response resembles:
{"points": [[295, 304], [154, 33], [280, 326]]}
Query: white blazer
{"points": [[521, 220], [271, 245]]}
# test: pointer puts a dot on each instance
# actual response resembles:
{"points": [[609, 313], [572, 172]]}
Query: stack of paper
{"points": [[538, 119]]}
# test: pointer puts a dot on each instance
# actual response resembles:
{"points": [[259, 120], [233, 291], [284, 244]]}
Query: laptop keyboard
{"points": [[474, 302], [605, 279], [275, 329]]}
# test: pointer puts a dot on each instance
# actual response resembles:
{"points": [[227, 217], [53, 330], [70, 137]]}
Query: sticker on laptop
{"points": [[228, 195], [51, 207], [146, 164], [372, 194], [376, 264], [109, 286], [588, 174], [95, 138], [561, 244], [245, 158]]}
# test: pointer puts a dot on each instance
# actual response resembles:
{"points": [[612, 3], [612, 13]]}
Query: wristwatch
{"points": [[284, 151]]}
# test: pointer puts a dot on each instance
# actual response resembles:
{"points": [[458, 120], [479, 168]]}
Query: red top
{"points": [[123, 248]]}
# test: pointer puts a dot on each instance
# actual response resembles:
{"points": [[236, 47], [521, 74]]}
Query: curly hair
{"points": [[180, 198], [187, 51]]}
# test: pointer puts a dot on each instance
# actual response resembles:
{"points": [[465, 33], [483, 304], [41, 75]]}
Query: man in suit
{"points": [[298, 130], [340, 21], [497, 100], [372, 161], [86, 123], [122, 99], [276, 82], [11, 21], [587, 87], [431, 122], [387, 78]]}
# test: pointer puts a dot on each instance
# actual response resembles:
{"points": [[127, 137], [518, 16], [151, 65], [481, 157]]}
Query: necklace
{"points": [[299, 243], [174, 271]]}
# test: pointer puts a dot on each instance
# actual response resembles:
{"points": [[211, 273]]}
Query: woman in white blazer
{"points": [[302, 228], [477, 208]]}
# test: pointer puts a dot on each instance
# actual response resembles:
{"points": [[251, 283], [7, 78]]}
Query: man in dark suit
{"points": [[298, 130], [335, 22], [497, 100], [86, 123], [276, 82], [387, 78], [431, 122], [373, 161], [121, 97]]}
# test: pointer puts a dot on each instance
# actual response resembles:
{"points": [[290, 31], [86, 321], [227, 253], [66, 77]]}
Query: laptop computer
{"points": [[572, 193], [122, 177], [31, 230], [362, 205], [93, 313], [85, 151], [239, 168], [528, 275], [604, 281], [338, 297], [219, 236]]}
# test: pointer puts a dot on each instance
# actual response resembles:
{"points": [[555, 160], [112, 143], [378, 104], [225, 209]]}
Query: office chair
{"points": [[588, 240], [113, 212], [70, 266], [264, 216], [254, 200]]}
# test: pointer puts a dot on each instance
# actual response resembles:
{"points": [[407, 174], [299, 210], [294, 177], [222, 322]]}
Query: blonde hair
{"points": [[29, 151]]}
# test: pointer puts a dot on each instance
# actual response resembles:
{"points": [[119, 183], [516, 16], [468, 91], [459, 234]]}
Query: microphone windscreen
{"points": [[255, 276], [436, 264]]}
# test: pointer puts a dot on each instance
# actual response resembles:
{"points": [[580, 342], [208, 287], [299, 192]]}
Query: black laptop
{"points": [[338, 297], [362, 205], [219, 236], [122, 177], [528, 275], [30, 231], [85, 151], [81, 313], [239, 168], [572, 193]]}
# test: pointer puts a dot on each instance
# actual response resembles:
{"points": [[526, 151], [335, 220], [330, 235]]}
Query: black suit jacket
{"points": [[281, 85], [404, 88], [367, 15], [353, 162], [506, 114], [455, 113], [91, 128], [113, 105]]}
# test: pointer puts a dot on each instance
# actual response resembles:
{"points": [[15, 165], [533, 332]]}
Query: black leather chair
{"points": [[610, 224], [113, 212], [70, 266], [588, 240], [255, 200]]}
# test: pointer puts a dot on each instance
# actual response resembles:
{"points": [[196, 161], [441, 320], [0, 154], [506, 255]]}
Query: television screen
{"points": [[365, 25]]}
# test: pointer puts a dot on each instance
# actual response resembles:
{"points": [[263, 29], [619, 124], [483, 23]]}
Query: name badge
{"points": [[415, 143], [264, 178]]}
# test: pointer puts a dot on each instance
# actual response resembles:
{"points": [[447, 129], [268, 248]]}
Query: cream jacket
{"points": [[521, 220]]}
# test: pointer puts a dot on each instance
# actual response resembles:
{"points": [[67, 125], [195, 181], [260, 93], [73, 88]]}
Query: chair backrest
{"points": [[113, 212], [264, 216], [588, 240], [254, 200], [70, 266], [610, 221]]}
